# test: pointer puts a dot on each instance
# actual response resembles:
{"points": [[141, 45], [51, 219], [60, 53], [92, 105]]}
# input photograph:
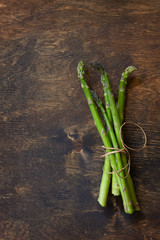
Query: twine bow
{"points": [[124, 150]]}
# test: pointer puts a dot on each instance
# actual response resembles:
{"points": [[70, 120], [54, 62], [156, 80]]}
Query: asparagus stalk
{"points": [[122, 91], [120, 107], [115, 186], [109, 114], [107, 88], [117, 166], [106, 178]]}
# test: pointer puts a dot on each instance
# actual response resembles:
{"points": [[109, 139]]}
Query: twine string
{"points": [[124, 150], [144, 134]]}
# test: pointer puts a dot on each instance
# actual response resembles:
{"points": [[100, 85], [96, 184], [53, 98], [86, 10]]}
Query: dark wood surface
{"points": [[49, 147]]}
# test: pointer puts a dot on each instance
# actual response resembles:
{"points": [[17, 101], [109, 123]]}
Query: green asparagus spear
{"points": [[115, 187], [122, 91], [107, 88], [106, 178], [120, 107], [117, 166]]}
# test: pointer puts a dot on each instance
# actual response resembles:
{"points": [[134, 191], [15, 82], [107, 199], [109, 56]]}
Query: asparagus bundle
{"points": [[115, 163]]}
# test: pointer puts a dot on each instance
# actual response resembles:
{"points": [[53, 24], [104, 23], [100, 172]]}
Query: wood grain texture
{"points": [[49, 147]]}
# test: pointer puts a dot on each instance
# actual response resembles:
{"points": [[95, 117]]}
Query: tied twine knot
{"points": [[125, 150]]}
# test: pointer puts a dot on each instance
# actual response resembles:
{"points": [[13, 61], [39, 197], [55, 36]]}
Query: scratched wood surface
{"points": [[49, 147]]}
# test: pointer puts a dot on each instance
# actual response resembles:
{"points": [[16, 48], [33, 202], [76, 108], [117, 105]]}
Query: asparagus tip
{"points": [[94, 95], [80, 69], [95, 98], [129, 70]]}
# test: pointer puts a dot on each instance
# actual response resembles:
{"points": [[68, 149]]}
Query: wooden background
{"points": [[49, 147]]}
